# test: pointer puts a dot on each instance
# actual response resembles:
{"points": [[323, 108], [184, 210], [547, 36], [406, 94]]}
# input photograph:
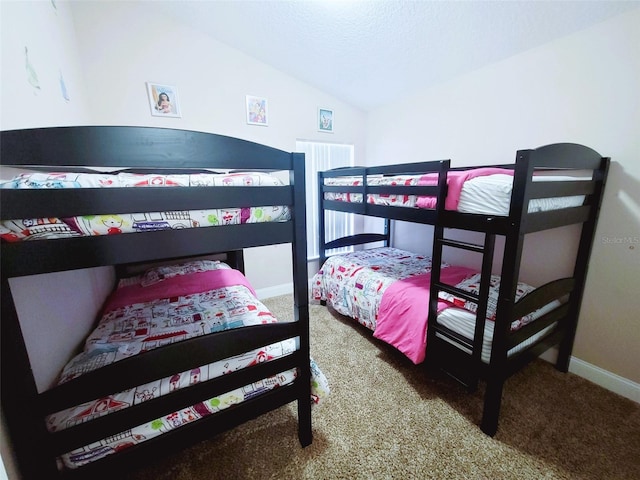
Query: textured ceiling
{"points": [[369, 53]]}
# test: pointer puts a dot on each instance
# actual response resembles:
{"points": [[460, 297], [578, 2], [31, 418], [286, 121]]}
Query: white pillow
{"points": [[160, 273], [472, 285]]}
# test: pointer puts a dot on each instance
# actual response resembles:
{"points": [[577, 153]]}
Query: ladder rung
{"points": [[454, 336], [458, 244], [472, 297], [465, 383]]}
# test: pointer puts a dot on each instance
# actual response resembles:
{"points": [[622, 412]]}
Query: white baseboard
{"points": [[275, 291], [599, 376], [606, 379]]}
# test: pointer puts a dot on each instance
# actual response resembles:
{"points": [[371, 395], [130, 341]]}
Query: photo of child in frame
{"points": [[163, 100]]}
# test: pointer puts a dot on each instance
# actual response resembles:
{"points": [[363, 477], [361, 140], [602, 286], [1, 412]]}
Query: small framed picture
{"points": [[163, 100], [257, 111], [325, 120]]}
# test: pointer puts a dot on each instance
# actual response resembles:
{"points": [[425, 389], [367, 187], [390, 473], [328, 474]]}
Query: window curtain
{"points": [[320, 157]]}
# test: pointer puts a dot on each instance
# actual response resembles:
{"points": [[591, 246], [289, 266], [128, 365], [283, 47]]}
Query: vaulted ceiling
{"points": [[371, 52]]}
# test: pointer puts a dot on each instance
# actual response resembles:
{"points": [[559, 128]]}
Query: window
{"points": [[320, 157]]}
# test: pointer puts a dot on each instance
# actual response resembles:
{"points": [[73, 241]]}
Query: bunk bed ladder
{"points": [[581, 266], [469, 374], [301, 295]]}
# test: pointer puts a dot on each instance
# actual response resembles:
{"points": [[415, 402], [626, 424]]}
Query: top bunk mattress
{"points": [[13, 230], [485, 191]]}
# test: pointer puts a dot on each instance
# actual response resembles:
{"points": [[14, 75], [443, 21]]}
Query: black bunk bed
{"points": [[435, 189], [459, 355], [150, 149]]}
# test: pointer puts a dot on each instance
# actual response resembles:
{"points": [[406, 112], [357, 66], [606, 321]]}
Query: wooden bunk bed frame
{"points": [[444, 350], [425, 216], [73, 148]]}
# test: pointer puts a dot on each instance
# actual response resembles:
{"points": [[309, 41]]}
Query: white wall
{"points": [[212, 81], [44, 87], [32, 83], [582, 89]]}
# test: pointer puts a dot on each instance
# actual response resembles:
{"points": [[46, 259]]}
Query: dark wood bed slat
{"points": [[415, 168], [557, 315], [492, 224], [32, 257], [39, 203], [561, 188], [116, 422], [471, 297], [538, 221], [359, 239], [188, 434], [146, 147], [543, 295], [164, 361]]}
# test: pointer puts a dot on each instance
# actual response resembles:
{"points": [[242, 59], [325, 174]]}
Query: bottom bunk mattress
{"points": [[387, 290], [459, 315], [361, 285], [168, 304]]}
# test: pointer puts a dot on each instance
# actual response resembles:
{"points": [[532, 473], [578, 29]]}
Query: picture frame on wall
{"points": [[163, 100], [325, 120], [257, 110]]}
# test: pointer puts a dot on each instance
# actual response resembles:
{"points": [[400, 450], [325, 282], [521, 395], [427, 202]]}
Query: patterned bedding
{"points": [[165, 305], [387, 291], [484, 190], [47, 228], [408, 201], [353, 284], [357, 285]]}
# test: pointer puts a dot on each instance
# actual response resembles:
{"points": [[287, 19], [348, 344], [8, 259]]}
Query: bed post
{"points": [[301, 294], [322, 241], [236, 260], [321, 228], [387, 232], [20, 408], [510, 273], [436, 261], [582, 264]]}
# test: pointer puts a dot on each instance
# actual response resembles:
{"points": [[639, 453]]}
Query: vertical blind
{"points": [[320, 157]]}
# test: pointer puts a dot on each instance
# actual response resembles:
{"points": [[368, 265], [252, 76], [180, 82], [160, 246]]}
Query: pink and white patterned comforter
{"points": [[353, 283], [167, 305], [386, 290]]}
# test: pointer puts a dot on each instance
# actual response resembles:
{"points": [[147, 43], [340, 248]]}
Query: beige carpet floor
{"points": [[387, 419]]}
